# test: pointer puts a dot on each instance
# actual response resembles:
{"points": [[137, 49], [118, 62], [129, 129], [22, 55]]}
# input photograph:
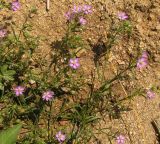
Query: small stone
{"points": [[120, 62], [65, 89], [151, 16], [157, 58], [139, 19], [31, 15], [158, 27]]}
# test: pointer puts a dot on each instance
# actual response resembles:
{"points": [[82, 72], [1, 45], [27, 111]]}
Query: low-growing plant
{"points": [[53, 99]]}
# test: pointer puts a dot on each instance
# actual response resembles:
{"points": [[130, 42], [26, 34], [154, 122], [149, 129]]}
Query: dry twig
{"points": [[48, 4]]}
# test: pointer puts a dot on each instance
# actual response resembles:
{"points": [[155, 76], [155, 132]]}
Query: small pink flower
{"points": [[15, 5], [120, 139], [74, 63], [19, 90], [82, 21], [77, 9], [84, 9], [3, 33], [142, 63], [122, 16], [87, 9], [68, 16], [145, 55], [60, 137], [48, 95], [150, 94]]}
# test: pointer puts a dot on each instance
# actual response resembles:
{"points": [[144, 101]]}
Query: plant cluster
{"points": [[45, 97]]}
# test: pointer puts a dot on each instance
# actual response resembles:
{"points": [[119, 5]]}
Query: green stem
{"points": [[49, 120]]}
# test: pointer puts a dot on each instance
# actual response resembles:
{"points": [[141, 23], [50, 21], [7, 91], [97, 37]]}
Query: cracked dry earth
{"points": [[145, 18]]}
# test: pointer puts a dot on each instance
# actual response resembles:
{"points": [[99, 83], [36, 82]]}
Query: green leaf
{"points": [[6, 74], [10, 72], [1, 86], [4, 68], [9, 136], [7, 77]]}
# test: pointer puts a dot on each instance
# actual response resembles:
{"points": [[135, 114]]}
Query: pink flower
{"points": [[83, 9], [48, 95], [15, 5], [77, 9], [60, 137], [87, 9], [142, 61], [74, 63], [82, 21], [68, 15], [145, 55], [150, 94], [122, 16], [3, 33], [120, 139], [19, 90]]}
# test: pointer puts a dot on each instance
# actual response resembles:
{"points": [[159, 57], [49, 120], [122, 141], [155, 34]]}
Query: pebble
{"points": [[158, 27]]}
